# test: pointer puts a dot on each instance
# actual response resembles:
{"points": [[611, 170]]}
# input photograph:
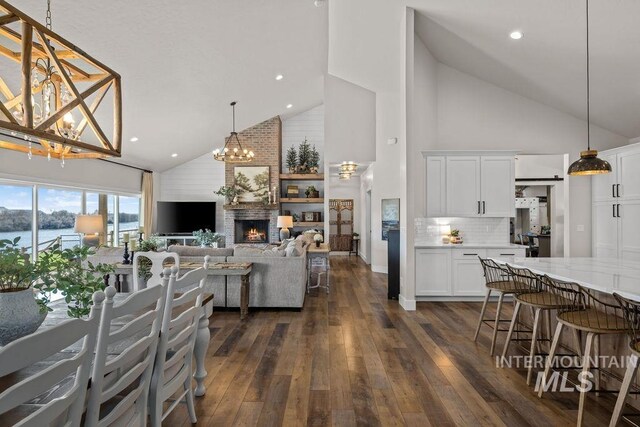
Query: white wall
{"points": [[533, 166], [88, 173], [350, 122], [310, 125]]}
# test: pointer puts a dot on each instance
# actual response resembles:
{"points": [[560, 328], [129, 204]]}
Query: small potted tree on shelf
{"points": [[304, 157], [311, 192], [292, 160], [314, 160]]}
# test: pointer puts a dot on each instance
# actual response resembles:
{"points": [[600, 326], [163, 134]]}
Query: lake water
{"points": [[71, 238]]}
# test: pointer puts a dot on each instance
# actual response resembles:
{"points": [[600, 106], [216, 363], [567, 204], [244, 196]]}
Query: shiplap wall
{"points": [[196, 180]]}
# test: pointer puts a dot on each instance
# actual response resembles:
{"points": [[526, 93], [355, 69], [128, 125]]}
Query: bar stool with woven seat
{"points": [[498, 280], [631, 311], [533, 293], [588, 314]]}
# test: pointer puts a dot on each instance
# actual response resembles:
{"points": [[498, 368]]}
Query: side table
{"points": [[321, 252], [355, 244]]}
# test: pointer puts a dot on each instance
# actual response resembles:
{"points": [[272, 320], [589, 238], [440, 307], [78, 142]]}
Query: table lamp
{"points": [[90, 226], [284, 222]]}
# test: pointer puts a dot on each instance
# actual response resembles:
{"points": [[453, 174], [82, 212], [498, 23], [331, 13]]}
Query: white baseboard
{"points": [[407, 304], [379, 269], [364, 258]]}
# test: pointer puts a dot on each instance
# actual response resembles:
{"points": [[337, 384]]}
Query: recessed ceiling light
{"points": [[279, 77], [174, 155], [516, 35], [289, 105], [134, 139]]}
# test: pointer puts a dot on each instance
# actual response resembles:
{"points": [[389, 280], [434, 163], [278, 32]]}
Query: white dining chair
{"points": [[125, 352], [156, 259], [35, 357], [173, 370]]}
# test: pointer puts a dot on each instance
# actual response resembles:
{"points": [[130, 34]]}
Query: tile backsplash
{"points": [[472, 230]]}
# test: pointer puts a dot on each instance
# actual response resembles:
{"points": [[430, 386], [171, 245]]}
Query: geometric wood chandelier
{"points": [[53, 80]]}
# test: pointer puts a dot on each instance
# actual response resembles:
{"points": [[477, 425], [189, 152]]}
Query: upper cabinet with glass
{"points": [[470, 184]]}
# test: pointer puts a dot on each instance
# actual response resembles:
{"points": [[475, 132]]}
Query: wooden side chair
{"points": [[631, 311], [120, 385], [18, 403], [498, 279], [540, 298], [157, 260], [585, 314], [173, 371]]}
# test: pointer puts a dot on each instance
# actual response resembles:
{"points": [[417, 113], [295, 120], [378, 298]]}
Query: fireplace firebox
{"points": [[251, 231]]}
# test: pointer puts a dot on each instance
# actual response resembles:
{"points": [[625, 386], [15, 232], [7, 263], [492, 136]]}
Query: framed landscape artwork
{"points": [[252, 183], [390, 216]]}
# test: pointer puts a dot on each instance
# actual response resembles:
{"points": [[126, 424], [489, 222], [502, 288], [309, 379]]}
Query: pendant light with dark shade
{"points": [[589, 163]]}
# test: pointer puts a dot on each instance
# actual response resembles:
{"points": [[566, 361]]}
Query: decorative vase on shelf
{"points": [[20, 315], [317, 243]]}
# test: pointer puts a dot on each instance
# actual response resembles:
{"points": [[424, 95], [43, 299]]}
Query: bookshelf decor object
{"points": [[57, 80]]}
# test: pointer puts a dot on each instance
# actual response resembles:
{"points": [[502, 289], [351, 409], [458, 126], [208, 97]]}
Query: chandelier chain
{"points": [[48, 18]]}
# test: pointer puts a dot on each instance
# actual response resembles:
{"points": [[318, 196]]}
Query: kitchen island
{"points": [[605, 275]]}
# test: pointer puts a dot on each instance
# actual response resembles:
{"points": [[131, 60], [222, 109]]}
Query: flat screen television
{"points": [[185, 217]]}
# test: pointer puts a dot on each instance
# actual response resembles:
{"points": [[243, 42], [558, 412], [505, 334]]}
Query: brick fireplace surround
{"points": [[265, 140]]}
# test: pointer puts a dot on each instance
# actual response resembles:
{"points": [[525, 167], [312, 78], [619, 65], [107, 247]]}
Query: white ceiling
{"points": [[548, 63], [182, 63]]}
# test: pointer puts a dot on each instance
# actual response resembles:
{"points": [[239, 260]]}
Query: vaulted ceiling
{"points": [[548, 63], [182, 63]]}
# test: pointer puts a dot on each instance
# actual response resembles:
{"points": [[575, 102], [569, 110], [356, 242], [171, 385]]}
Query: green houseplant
{"points": [[26, 286], [314, 160], [206, 238], [304, 157], [311, 192], [228, 192]]}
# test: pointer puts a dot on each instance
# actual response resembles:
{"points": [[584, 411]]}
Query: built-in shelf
{"points": [[251, 206], [308, 224], [301, 200], [302, 176]]}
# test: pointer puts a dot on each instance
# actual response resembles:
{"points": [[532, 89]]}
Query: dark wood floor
{"points": [[355, 358]]}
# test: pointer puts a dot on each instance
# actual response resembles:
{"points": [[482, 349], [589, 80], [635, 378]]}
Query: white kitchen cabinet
{"points": [[604, 186], [616, 206], [436, 191], [470, 184], [463, 186], [605, 230], [497, 189], [433, 272], [629, 233], [466, 272]]}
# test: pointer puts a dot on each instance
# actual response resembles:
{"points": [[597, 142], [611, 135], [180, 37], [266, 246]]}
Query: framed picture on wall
{"points": [[390, 216], [252, 183]]}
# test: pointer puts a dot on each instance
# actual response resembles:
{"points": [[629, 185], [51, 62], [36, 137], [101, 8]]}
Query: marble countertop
{"points": [[468, 246], [600, 274]]}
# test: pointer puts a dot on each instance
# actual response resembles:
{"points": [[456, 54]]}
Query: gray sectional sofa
{"points": [[276, 281]]}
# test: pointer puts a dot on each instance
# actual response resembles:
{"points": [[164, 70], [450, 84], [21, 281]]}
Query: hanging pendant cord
{"points": [[588, 86]]}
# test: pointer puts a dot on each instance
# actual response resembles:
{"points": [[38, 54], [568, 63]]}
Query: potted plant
{"points": [[311, 192], [21, 312], [152, 244], [230, 193], [206, 238], [455, 236], [318, 239], [314, 160], [26, 286], [304, 157], [292, 160]]}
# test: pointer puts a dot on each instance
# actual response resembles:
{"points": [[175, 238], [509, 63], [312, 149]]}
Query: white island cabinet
{"points": [[454, 272]]}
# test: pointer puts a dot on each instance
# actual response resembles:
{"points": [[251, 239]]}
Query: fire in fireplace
{"points": [[251, 231]]}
